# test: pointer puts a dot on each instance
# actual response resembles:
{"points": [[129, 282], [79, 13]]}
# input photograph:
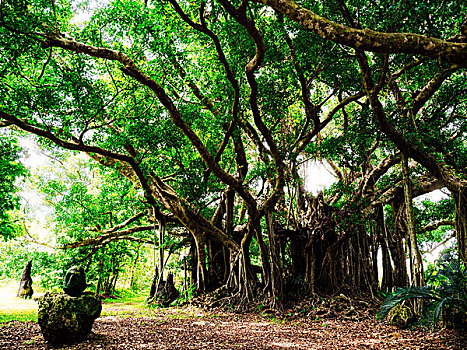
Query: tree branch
{"points": [[130, 69], [435, 225], [370, 40], [250, 69], [106, 238], [409, 148], [121, 225], [305, 139]]}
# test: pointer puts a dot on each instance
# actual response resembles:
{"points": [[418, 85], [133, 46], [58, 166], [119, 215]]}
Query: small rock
{"points": [[400, 316], [75, 281]]}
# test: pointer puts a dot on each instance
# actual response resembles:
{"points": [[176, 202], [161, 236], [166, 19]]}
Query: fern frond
{"points": [[401, 294], [437, 312]]}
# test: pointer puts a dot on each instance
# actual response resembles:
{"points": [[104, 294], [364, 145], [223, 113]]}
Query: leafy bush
{"points": [[445, 296], [48, 268]]}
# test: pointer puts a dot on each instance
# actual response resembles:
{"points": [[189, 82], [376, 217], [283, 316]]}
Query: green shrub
{"points": [[445, 297]]}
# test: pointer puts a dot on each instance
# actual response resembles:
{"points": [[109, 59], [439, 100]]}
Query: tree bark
{"points": [[161, 248], [460, 199], [417, 278], [396, 246], [201, 271], [370, 40], [277, 285], [387, 277]]}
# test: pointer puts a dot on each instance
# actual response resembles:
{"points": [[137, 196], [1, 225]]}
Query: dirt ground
{"points": [[219, 330]]}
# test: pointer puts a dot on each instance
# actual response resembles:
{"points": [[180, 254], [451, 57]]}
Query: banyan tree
{"points": [[211, 109]]}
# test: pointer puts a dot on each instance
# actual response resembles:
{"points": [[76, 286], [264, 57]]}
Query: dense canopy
{"points": [[200, 117]]}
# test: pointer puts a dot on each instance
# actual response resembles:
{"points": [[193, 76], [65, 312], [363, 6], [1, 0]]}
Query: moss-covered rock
{"points": [[400, 316], [64, 319]]}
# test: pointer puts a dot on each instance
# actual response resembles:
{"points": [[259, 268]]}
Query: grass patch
{"points": [[16, 309], [126, 296], [30, 316], [128, 309], [128, 304]]}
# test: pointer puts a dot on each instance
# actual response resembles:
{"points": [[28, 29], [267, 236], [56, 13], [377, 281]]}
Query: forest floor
{"points": [[132, 325], [189, 327]]}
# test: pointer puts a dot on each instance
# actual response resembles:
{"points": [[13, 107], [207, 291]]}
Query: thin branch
{"points": [[431, 87], [435, 225], [440, 244], [305, 140], [203, 28], [409, 148], [121, 225], [45, 65], [106, 238]]}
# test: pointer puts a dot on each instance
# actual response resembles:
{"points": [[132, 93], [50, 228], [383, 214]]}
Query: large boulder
{"points": [[25, 285], [65, 319]]}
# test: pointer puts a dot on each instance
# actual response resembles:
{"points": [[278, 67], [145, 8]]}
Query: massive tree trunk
{"points": [[333, 250], [216, 265]]}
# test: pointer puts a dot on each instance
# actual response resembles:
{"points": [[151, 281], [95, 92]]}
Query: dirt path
{"points": [[196, 329]]}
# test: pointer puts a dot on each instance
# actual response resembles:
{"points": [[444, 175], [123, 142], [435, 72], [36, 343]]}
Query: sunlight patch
{"points": [[285, 344]]}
